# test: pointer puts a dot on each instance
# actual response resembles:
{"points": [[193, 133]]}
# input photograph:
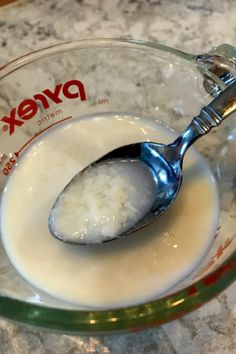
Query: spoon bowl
{"points": [[167, 178]]}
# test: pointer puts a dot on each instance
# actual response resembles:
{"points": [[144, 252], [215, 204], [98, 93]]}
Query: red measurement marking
{"points": [[192, 290], [8, 166], [212, 278], [217, 255], [17, 153], [222, 247]]}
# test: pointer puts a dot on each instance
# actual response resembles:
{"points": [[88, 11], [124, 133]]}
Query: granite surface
{"points": [[193, 26]]}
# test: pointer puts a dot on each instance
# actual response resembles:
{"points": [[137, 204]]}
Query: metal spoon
{"points": [[164, 161]]}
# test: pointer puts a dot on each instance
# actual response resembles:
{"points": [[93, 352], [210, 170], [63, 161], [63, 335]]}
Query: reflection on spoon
{"points": [[131, 186]]}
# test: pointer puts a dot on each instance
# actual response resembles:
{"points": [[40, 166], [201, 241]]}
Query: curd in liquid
{"points": [[103, 201]]}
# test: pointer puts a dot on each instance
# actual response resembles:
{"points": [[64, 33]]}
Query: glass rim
{"points": [[30, 57], [129, 318]]}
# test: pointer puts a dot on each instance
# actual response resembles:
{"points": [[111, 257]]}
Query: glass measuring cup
{"points": [[71, 80]]}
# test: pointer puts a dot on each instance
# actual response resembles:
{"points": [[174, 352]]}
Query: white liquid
{"points": [[127, 271], [103, 201]]}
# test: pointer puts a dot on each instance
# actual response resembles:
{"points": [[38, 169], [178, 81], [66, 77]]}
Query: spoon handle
{"points": [[216, 111], [210, 116]]}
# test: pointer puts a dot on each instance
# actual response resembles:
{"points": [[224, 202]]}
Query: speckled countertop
{"points": [[193, 26]]}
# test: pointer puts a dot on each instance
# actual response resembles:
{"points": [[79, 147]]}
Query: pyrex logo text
{"points": [[28, 108]]}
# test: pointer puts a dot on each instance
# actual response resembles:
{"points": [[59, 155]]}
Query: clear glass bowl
{"points": [[119, 76]]}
